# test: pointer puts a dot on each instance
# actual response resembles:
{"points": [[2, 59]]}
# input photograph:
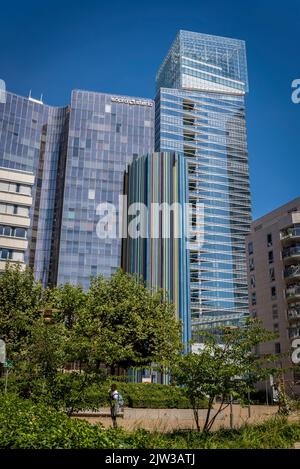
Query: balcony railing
{"points": [[294, 313], [293, 291], [293, 271], [291, 251], [294, 333], [290, 233]]}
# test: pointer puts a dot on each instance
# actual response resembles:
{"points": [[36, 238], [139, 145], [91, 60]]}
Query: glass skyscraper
{"points": [[32, 139], [105, 133], [77, 155], [158, 184], [200, 114]]}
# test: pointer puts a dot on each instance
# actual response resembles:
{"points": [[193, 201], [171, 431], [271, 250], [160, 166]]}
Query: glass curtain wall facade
{"points": [[31, 140], [200, 114], [105, 133], [159, 254], [78, 155]]}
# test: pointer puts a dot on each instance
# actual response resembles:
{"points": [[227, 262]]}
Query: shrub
{"points": [[24, 424]]}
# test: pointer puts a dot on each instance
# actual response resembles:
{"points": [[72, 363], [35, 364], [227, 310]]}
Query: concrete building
{"points": [[15, 203], [273, 265]]}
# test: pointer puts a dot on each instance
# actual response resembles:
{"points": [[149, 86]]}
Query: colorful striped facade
{"points": [[162, 261]]}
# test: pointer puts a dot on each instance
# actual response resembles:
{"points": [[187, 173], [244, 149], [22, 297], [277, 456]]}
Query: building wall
{"points": [[200, 114], [15, 203], [269, 282]]}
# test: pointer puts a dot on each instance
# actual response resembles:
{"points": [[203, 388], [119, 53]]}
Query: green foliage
{"points": [[125, 324], [27, 425], [20, 301], [117, 322], [24, 424], [223, 370], [155, 396]]}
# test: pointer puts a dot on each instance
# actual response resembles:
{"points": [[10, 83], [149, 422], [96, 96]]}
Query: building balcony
{"points": [[294, 313], [293, 292], [294, 332], [4, 262], [292, 273], [291, 253], [290, 235]]}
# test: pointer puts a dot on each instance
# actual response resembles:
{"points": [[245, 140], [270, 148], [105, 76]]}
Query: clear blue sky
{"points": [[116, 46]]}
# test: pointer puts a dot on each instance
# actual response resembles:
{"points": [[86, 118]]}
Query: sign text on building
{"points": [[136, 102]]}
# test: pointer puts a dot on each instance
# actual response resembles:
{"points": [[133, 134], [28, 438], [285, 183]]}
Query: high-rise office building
{"points": [[200, 114], [105, 133], [77, 155], [273, 252], [32, 137], [156, 189]]}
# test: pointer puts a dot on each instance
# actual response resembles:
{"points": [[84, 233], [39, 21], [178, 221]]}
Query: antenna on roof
{"points": [[29, 96], [41, 98]]}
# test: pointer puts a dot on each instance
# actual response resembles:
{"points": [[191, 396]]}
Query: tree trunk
{"points": [[210, 404]]}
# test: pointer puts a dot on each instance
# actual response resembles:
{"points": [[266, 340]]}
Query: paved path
{"points": [[171, 419]]}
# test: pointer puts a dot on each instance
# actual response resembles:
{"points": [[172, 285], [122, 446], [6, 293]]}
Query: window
{"points": [[250, 248], [15, 187], [277, 347], [14, 210], [254, 314], [5, 254], [252, 281], [273, 292], [276, 327], [4, 186], [22, 211], [107, 108], [7, 231], [18, 256], [251, 263], [118, 128], [10, 231], [20, 233], [253, 297], [269, 239], [23, 189], [91, 194], [71, 214], [275, 311], [272, 274], [270, 257]]}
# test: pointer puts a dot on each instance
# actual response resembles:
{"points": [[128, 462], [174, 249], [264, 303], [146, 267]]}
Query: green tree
{"points": [[21, 298], [125, 324], [221, 370]]}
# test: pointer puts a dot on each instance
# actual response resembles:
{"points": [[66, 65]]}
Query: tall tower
{"points": [[200, 114]]}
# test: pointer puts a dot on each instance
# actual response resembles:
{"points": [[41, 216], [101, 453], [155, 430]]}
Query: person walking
{"points": [[114, 404]]}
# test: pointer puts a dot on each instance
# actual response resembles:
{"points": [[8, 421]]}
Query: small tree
{"points": [[125, 324], [226, 369]]}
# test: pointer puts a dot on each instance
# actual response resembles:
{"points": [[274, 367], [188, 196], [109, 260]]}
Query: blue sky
{"points": [[116, 46]]}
